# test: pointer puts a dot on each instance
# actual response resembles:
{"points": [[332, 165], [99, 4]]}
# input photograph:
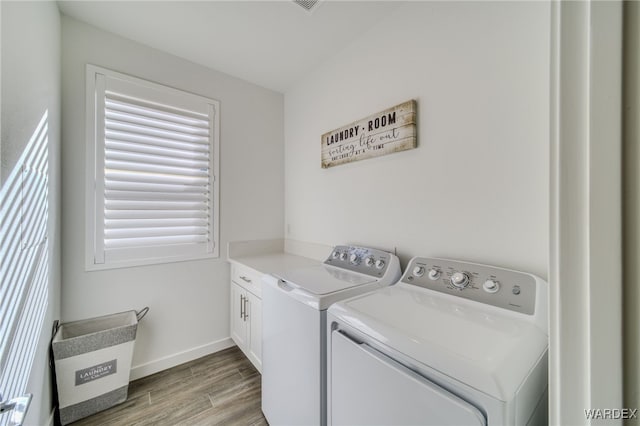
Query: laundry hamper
{"points": [[92, 363]]}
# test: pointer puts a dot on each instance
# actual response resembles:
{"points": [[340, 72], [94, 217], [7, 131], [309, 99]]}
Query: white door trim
{"points": [[585, 210]]}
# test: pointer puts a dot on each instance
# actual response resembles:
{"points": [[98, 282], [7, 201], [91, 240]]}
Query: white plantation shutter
{"points": [[155, 188]]}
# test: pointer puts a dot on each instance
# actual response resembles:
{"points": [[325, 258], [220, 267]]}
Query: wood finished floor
{"points": [[218, 389]]}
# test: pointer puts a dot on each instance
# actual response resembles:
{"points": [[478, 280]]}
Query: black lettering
{"points": [[392, 118]]}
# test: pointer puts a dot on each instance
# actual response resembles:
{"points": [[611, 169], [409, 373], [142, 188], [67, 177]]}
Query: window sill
{"points": [[92, 267]]}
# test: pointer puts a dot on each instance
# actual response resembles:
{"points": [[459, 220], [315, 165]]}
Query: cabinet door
{"points": [[238, 320], [255, 330]]}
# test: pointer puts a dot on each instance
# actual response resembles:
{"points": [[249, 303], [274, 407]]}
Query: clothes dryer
{"points": [[453, 343]]}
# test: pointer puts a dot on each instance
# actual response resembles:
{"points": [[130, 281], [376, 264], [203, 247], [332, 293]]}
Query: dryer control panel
{"points": [[360, 259], [495, 286]]}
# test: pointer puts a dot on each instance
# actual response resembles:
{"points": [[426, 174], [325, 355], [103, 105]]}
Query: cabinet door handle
{"points": [[242, 306], [245, 308], [245, 279]]}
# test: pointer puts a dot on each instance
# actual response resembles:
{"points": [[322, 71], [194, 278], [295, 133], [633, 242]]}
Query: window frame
{"points": [[94, 192]]}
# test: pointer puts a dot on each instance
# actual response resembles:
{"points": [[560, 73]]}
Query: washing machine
{"points": [[294, 313], [453, 343]]}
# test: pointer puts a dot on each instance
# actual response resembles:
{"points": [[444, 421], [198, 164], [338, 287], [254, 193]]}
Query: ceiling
{"points": [[274, 44]]}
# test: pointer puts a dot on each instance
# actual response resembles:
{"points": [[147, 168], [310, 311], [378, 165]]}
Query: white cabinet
{"points": [[249, 261], [246, 313], [254, 308], [238, 321]]}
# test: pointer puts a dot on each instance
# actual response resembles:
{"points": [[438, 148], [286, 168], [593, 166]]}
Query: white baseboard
{"points": [[157, 365]]}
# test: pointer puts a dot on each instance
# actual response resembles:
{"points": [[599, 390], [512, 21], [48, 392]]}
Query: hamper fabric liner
{"points": [[92, 363]]}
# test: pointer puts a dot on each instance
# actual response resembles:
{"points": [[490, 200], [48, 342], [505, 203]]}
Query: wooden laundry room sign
{"points": [[388, 131]]}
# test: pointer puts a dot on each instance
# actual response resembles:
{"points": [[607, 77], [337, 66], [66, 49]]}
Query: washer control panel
{"points": [[495, 286], [360, 259]]}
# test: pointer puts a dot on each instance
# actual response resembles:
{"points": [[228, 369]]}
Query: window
{"points": [[152, 159]]}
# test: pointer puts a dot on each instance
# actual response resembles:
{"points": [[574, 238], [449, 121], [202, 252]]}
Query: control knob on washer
{"points": [[491, 286], [354, 259], [418, 271], [343, 255], [380, 264], [369, 261], [460, 280], [335, 254], [434, 274]]}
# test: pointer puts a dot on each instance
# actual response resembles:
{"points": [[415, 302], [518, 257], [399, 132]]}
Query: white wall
{"points": [[31, 86], [476, 187], [189, 300]]}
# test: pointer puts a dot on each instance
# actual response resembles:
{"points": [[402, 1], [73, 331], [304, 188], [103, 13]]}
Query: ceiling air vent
{"points": [[308, 5]]}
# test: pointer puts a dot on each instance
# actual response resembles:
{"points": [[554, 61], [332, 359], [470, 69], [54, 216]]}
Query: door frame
{"points": [[585, 263]]}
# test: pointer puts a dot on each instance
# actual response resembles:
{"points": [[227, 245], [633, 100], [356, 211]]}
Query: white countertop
{"points": [[276, 256]]}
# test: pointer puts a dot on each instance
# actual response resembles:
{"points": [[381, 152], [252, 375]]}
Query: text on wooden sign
{"points": [[388, 131]]}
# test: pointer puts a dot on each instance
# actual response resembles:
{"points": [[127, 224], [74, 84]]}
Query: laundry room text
{"points": [[388, 131]]}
